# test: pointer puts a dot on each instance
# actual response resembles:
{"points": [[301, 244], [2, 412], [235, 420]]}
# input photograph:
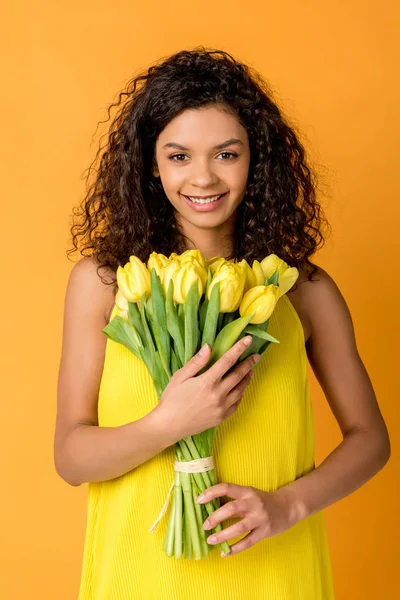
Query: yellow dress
{"points": [[267, 443]]}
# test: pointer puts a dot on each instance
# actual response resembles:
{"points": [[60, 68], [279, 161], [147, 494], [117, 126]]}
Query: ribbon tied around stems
{"points": [[200, 465]]}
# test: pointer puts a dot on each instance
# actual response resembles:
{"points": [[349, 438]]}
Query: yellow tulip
{"points": [[261, 300], [254, 274], [169, 271], [199, 265], [158, 262], [231, 278], [250, 276], [258, 272], [122, 305], [195, 254], [189, 271], [287, 275], [134, 279], [215, 262]]}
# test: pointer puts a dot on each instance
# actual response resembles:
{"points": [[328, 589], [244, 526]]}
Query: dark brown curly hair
{"points": [[125, 210]]}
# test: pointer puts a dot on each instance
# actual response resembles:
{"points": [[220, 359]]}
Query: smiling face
{"points": [[203, 152]]}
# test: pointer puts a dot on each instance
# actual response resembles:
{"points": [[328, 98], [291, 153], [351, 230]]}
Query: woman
{"points": [[199, 156]]}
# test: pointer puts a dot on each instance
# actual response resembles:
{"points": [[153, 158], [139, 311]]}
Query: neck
{"points": [[217, 241]]}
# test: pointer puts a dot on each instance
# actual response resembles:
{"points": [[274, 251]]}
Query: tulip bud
{"points": [[189, 271], [121, 306], [134, 279], [215, 263], [260, 300], [158, 262], [169, 271], [194, 254], [232, 278], [287, 275]]}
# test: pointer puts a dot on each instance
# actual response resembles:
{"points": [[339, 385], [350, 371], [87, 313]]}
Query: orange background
{"points": [[332, 65]]}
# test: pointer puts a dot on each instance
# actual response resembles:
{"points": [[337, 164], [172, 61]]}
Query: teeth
{"points": [[205, 200]]}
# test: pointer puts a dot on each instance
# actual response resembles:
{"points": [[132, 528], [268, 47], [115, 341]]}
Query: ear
{"points": [[156, 172]]}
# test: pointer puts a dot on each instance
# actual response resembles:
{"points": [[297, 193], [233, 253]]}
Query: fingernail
{"points": [[206, 524], [251, 373], [203, 350], [212, 539], [256, 358], [200, 498], [247, 340], [227, 554]]}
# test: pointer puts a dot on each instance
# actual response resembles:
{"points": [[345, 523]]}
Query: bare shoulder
{"points": [[88, 278], [313, 299]]}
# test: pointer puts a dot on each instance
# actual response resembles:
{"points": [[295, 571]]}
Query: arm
{"points": [[83, 451], [335, 360], [365, 448]]}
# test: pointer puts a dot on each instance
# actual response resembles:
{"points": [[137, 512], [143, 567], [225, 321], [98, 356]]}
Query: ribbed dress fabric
{"points": [[267, 443]]}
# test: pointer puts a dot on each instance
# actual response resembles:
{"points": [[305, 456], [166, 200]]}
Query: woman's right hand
{"points": [[190, 404]]}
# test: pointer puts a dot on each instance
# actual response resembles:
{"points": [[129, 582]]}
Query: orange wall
{"points": [[333, 67]]}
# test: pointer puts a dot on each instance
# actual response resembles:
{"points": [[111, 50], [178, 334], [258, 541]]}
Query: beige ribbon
{"points": [[200, 465]]}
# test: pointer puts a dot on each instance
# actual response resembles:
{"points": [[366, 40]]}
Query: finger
{"points": [[193, 366], [236, 394], [227, 360], [233, 408], [249, 540], [227, 511], [229, 532], [233, 379], [222, 489]]}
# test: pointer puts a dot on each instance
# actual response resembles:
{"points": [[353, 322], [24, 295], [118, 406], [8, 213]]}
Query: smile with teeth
{"points": [[204, 200]]}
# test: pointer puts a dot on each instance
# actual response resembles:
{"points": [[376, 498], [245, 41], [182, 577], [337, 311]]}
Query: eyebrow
{"points": [[230, 142]]}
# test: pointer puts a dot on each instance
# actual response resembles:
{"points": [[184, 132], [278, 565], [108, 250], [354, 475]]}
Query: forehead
{"points": [[203, 127]]}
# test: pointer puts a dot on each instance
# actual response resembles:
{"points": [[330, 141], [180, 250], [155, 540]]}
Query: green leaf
{"points": [[191, 320], [174, 323], [226, 338], [229, 317], [212, 315], [273, 279], [175, 365], [159, 321], [254, 330], [161, 379], [147, 332], [118, 330], [135, 319]]}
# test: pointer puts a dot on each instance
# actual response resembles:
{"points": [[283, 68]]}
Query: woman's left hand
{"points": [[264, 514]]}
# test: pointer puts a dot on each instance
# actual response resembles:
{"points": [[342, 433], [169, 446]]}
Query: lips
{"points": [[205, 207]]}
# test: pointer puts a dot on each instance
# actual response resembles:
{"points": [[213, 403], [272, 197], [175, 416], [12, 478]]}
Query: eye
{"points": [[175, 156], [231, 155]]}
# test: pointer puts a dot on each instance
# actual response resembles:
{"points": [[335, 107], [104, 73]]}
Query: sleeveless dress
{"points": [[267, 443]]}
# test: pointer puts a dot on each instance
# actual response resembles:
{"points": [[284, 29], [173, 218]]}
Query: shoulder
{"points": [[316, 300], [92, 283]]}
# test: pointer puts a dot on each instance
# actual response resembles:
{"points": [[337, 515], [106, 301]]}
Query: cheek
{"points": [[172, 179]]}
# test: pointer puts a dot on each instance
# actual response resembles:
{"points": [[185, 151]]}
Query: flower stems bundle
{"points": [[165, 312]]}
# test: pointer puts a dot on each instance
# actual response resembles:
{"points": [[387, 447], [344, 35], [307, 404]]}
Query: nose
{"points": [[202, 175]]}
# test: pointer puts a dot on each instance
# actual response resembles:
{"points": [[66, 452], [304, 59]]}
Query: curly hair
{"points": [[125, 210]]}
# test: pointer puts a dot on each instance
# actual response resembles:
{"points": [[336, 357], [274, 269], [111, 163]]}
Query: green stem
{"points": [[169, 537], [210, 478], [200, 521], [178, 516], [191, 531]]}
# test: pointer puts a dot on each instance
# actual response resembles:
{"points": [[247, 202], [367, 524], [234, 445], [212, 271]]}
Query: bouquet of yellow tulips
{"points": [[167, 310]]}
